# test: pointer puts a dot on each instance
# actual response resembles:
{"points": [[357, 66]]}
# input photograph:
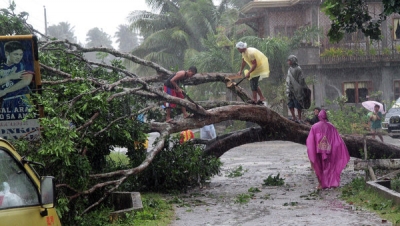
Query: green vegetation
{"points": [[175, 168], [156, 212], [243, 198], [254, 190], [290, 204], [237, 172], [395, 184], [342, 52], [358, 194], [349, 119], [274, 181], [118, 158], [353, 16], [235, 125]]}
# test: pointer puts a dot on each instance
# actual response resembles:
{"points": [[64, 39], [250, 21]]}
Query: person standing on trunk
{"points": [[259, 69], [294, 88], [171, 86]]}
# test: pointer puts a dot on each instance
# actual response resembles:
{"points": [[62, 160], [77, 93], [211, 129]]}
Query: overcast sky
{"points": [[83, 15]]}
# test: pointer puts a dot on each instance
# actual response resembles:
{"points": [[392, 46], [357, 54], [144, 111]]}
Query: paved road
{"points": [[296, 203]]}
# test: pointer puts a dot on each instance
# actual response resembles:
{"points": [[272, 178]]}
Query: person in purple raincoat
{"points": [[327, 152]]}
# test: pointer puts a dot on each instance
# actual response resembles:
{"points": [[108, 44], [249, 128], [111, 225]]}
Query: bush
{"points": [[348, 119], [175, 168]]}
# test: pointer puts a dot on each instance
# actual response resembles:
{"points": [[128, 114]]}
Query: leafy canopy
{"points": [[349, 16]]}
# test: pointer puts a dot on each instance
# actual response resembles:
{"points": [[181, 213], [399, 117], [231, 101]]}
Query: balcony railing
{"points": [[359, 59]]}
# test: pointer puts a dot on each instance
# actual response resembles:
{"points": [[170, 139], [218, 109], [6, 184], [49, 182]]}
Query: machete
{"points": [[190, 99]]}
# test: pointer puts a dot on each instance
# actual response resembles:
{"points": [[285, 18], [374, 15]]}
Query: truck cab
{"points": [[25, 197]]}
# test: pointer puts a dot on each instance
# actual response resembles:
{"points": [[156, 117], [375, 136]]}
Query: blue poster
{"points": [[18, 74]]}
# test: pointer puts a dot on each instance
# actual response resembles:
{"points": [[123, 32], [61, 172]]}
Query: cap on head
{"points": [[241, 45]]}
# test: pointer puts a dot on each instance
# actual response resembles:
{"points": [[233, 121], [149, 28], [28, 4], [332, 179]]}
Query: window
{"points": [[357, 92], [287, 31], [16, 188], [396, 28], [396, 89]]}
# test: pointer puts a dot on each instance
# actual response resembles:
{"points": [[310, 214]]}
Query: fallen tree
{"points": [[271, 125], [391, 164]]}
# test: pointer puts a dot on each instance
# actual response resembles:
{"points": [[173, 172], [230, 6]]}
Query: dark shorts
{"points": [[254, 83], [172, 92], [293, 103]]}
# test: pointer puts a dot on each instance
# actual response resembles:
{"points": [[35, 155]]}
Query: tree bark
{"points": [[272, 126], [392, 164]]}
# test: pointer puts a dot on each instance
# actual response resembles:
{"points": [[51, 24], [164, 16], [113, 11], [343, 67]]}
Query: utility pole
{"points": [[45, 21]]}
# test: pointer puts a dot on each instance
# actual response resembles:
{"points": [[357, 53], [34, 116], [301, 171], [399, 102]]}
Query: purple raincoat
{"points": [[327, 152]]}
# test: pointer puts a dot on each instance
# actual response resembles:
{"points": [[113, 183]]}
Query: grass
{"points": [[119, 158], [156, 212], [362, 197]]}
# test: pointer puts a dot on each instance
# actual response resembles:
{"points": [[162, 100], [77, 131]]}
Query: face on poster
{"points": [[17, 82]]}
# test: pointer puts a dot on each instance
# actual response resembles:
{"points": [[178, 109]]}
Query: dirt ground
{"points": [[295, 203]]}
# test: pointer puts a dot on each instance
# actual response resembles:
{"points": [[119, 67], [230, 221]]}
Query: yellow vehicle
{"points": [[25, 197]]}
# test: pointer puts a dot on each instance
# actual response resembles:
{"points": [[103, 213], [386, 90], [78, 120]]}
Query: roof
{"points": [[259, 4]]}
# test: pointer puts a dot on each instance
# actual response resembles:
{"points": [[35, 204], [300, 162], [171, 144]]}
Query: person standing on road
{"points": [[375, 117], [207, 132], [327, 152], [171, 86], [259, 69], [294, 88]]}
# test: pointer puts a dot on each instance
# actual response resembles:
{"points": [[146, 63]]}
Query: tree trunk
{"points": [[391, 164], [272, 126]]}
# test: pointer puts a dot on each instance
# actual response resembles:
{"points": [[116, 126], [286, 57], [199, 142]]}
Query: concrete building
{"points": [[354, 67]]}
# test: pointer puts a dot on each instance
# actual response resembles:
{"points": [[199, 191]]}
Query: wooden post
{"points": [[371, 171]]}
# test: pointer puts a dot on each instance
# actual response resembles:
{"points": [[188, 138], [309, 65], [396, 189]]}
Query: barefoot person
{"points": [[259, 69], [171, 86], [327, 152]]}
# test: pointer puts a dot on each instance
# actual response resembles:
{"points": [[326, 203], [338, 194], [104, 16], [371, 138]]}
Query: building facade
{"points": [[355, 67]]}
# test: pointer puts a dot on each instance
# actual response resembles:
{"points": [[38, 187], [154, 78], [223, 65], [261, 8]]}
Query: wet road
{"points": [[296, 203]]}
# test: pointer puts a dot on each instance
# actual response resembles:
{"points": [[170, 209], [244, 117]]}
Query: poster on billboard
{"points": [[19, 78]]}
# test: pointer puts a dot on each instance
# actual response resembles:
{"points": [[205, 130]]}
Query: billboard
{"points": [[19, 78]]}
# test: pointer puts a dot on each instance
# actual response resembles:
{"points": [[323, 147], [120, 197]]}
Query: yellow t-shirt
{"points": [[262, 68]]}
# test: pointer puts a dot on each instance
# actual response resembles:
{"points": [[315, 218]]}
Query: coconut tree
{"points": [[62, 31], [126, 39], [176, 28], [96, 37]]}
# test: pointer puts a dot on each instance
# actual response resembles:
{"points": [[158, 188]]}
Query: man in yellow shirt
{"points": [[259, 69]]}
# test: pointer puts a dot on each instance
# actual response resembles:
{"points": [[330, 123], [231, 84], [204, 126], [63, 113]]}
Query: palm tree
{"points": [[178, 27], [97, 37], [126, 38], [62, 31]]}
